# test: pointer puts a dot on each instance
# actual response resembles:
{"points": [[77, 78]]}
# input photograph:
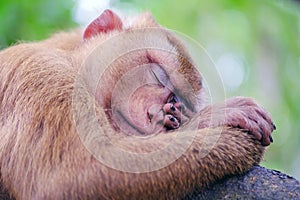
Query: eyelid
{"points": [[161, 75], [156, 78]]}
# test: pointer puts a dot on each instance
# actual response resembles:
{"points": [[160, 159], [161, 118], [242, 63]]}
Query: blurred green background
{"points": [[255, 45]]}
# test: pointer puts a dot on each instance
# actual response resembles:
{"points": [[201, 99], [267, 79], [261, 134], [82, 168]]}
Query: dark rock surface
{"points": [[258, 183]]}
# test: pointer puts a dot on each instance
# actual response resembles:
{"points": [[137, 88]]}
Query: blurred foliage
{"points": [[32, 19], [262, 34]]}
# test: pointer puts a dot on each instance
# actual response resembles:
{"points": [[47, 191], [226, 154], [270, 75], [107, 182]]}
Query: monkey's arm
{"points": [[234, 153], [206, 155], [214, 154]]}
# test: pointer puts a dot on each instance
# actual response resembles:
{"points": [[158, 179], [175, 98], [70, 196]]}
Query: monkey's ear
{"points": [[107, 21], [145, 20]]}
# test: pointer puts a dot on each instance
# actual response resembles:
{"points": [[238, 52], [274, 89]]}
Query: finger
{"points": [[266, 136], [258, 135], [266, 117], [169, 108], [266, 130], [237, 119], [175, 110], [265, 139], [171, 122]]}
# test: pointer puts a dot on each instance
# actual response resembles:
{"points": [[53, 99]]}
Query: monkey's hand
{"points": [[240, 112]]}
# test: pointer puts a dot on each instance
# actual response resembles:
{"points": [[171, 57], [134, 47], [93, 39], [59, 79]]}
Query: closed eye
{"points": [[160, 75], [156, 78]]}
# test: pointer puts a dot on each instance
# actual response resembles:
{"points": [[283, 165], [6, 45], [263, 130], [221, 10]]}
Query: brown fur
{"points": [[42, 157]]}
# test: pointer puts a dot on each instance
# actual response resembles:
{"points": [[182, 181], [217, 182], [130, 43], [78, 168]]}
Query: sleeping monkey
{"points": [[138, 129]]}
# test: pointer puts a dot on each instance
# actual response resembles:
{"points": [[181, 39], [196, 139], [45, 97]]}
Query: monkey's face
{"points": [[147, 92], [149, 85], [156, 106]]}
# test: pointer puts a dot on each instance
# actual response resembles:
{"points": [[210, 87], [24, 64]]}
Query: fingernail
{"points": [[271, 139], [274, 127]]}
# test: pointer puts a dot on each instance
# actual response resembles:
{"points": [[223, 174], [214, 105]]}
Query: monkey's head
{"points": [[148, 83]]}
